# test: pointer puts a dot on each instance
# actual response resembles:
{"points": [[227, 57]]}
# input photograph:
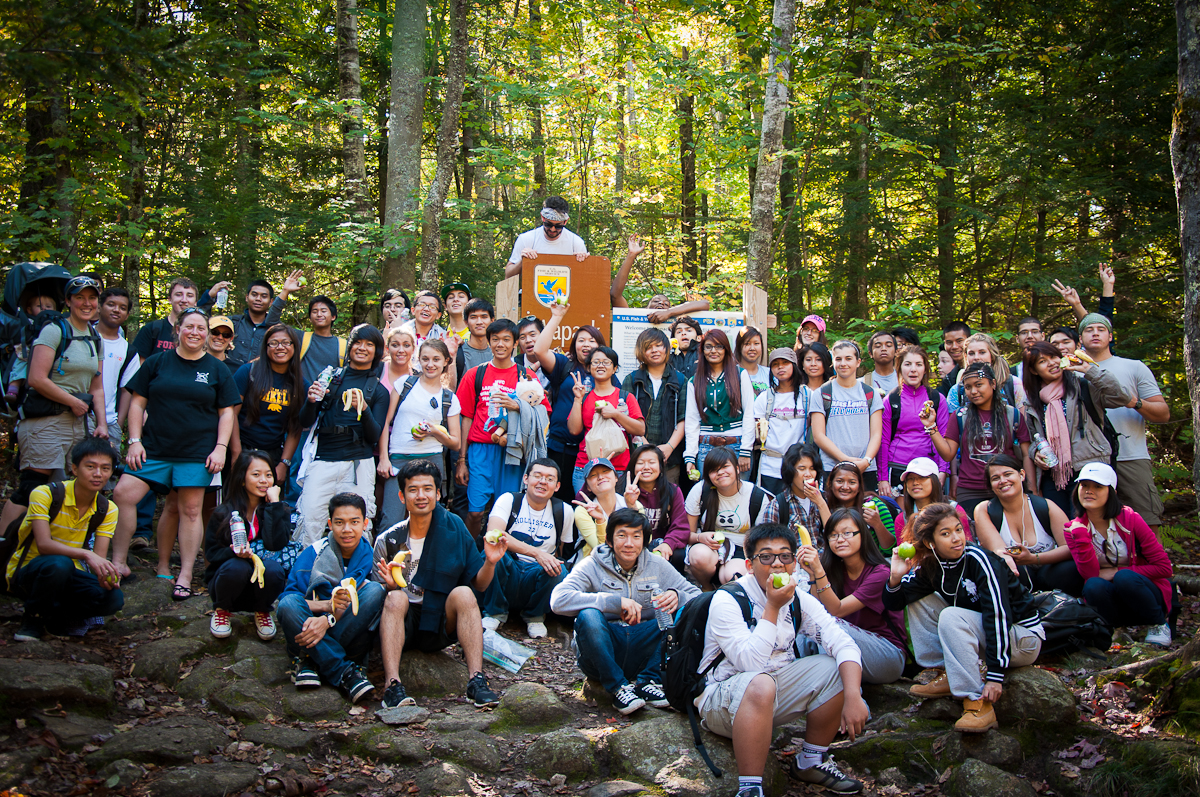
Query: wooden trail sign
{"points": [[586, 285]]}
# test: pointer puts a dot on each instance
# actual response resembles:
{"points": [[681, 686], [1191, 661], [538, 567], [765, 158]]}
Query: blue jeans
{"points": [[702, 450], [1129, 599], [577, 479], [614, 653], [56, 591], [520, 586], [343, 645]]}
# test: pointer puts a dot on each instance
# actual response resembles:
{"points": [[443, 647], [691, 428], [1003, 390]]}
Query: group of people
{"points": [[426, 483]]}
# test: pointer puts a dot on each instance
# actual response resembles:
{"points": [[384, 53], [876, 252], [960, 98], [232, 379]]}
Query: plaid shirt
{"points": [[798, 515]]}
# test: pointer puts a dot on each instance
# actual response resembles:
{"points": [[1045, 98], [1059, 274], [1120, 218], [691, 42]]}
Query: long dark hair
{"points": [[261, 379], [1033, 383], [833, 472], [746, 335], [798, 382], [597, 336], [822, 351], [936, 495], [835, 566], [923, 527], [236, 497], [710, 499], [733, 384], [972, 425], [662, 488]]}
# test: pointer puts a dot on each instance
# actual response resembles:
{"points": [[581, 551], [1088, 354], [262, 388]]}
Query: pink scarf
{"points": [[1057, 431]]}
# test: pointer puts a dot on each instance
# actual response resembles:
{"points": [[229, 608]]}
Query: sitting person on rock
{"points": [[231, 573], [760, 681], [59, 566], [431, 601], [328, 639], [617, 639], [965, 606], [538, 529]]}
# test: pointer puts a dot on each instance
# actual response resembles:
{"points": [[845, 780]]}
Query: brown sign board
{"points": [[585, 284]]}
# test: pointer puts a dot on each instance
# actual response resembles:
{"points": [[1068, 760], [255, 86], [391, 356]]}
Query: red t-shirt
{"points": [[588, 411], [475, 407]]}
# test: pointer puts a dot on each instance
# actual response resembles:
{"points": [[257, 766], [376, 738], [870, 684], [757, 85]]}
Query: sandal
{"points": [[181, 592]]}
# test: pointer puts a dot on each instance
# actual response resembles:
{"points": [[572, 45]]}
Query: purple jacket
{"points": [[677, 529], [910, 441]]}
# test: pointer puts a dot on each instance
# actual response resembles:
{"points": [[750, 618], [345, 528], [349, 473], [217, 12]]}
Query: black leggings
{"points": [[1059, 575]]}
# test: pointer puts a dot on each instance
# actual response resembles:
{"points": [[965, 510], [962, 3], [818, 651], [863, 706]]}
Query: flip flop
{"points": [[181, 593], [168, 578]]}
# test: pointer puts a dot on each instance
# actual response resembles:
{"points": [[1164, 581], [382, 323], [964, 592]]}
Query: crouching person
{"points": [[430, 601], [327, 637], [59, 565], [966, 605], [617, 639], [758, 681]]}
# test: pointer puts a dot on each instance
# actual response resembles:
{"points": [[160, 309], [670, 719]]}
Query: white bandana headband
{"points": [[554, 216]]}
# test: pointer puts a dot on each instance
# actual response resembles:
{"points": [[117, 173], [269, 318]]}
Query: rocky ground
{"points": [[151, 704]]}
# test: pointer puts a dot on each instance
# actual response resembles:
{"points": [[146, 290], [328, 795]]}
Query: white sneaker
{"points": [[491, 623], [264, 625], [1159, 635], [220, 625], [536, 630]]}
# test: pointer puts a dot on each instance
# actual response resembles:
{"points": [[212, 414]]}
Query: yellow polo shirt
{"points": [[69, 527]]}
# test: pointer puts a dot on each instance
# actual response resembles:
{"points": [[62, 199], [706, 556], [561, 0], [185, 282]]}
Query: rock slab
{"points": [[432, 674], [531, 706], [160, 660], [977, 779], [566, 751], [1035, 695], [67, 683], [402, 715], [473, 749], [205, 780], [172, 741], [280, 737], [993, 747], [617, 788]]}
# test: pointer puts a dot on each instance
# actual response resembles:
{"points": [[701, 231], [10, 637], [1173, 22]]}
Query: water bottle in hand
{"points": [[237, 531], [664, 618], [222, 299]]}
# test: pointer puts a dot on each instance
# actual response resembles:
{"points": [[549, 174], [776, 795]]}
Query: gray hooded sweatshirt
{"points": [[597, 582]]}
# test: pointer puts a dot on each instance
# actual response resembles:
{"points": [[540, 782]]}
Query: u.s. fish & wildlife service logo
{"points": [[552, 283]]}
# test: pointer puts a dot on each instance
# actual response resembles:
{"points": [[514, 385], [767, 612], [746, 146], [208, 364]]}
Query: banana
{"points": [[1083, 355], [397, 566], [353, 397], [805, 538], [927, 409], [350, 586], [259, 574]]}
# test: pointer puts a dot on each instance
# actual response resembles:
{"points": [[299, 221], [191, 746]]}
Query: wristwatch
{"points": [[1138, 404], [285, 461], [332, 620], [133, 440]]}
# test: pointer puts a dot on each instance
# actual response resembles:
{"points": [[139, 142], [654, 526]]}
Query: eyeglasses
{"points": [[221, 332], [549, 225], [280, 344], [842, 535], [713, 347], [426, 306], [605, 363], [785, 558]]}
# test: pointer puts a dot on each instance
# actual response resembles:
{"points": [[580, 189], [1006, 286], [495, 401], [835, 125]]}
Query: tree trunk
{"points": [[684, 108], [789, 200], [762, 210], [1185, 159], [247, 97], [947, 162], [537, 142], [447, 144], [857, 197], [132, 212], [404, 144], [619, 161], [354, 157]]}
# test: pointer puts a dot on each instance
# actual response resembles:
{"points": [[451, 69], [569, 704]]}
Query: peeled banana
{"points": [[259, 574], [353, 397], [350, 586], [397, 566]]}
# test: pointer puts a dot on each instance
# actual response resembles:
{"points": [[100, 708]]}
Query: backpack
{"points": [[557, 508], [1041, 510], [447, 397], [827, 395], [683, 650], [1071, 625], [306, 341], [1101, 420], [11, 541], [32, 404], [894, 402]]}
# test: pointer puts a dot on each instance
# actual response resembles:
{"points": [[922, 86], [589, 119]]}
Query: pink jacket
{"points": [[910, 441], [1146, 554]]}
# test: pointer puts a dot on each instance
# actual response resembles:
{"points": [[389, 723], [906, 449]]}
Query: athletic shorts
{"points": [[1135, 488], [800, 687], [165, 475]]}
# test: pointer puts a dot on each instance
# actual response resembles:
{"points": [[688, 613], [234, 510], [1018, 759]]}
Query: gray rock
{"points": [[160, 660], [376, 741], [879, 751], [34, 649], [270, 670], [146, 595], [83, 655], [172, 741], [944, 709], [1035, 695], [71, 684], [660, 751], [205, 780], [892, 777], [315, 704], [280, 737], [16, 765], [443, 779], [890, 721], [257, 649], [617, 788], [883, 698], [594, 693], [531, 706], [206, 677], [992, 747], [125, 771], [75, 730], [473, 749], [977, 779], [566, 751], [432, 674], [247, 700], [461, 718], [402, 715]]}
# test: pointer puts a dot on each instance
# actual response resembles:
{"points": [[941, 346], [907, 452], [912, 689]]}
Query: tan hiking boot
{"points": [[978, 716], [938, 687]]}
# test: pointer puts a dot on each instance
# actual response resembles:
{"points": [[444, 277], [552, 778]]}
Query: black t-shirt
{"points": [[183, 399], [158, 335], [270, 430]]}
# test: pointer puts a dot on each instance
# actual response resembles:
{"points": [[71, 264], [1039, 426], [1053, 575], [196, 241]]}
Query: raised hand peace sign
{"points": [[579, 388]]}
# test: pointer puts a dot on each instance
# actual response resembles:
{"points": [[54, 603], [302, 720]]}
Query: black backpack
{"points": [[12, 542], [1041, 510], [447, 398], [756, 502], [30, 403], [1071, 625], [683, 650], [559, 511]]}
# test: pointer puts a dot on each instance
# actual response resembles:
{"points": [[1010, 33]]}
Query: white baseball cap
{"points": [[1100, 473], [921, 466]]}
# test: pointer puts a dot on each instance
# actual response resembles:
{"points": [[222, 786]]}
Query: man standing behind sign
{"points": [[551, 238]]}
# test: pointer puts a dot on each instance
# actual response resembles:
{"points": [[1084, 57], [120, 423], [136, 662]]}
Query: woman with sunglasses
{"points": [[848, 579], [663, 501], [1127, 572], [721, 504], [185, 397], [816, 365], [844, 490], [617, 405], [273, 394], [720, 406], [220, 339]]}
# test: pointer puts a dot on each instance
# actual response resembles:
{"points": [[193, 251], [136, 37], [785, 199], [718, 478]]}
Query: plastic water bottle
{"points": [[664, 618], [1042, 445], [237, 530], [222, 299], [326, 376]]}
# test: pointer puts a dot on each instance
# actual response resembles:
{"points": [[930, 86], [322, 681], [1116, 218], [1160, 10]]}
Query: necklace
{"points": [[1021, 539]]}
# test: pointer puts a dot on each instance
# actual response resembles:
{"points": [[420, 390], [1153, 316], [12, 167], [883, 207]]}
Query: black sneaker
{"points": [[627, 701], [32, 630], [479, 693], [354, 685], [304, 674], [653, 694], [827, 776], [395, 696]]}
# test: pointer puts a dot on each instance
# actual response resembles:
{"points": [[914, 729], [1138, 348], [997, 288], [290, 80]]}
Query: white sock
{"points": [[745, 781], [810, 755]]}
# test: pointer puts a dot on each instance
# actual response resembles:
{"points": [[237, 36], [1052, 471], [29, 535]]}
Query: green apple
{"points": [[493, 536], [719, 538], [906, 550], [781, 580], [303, 281]]}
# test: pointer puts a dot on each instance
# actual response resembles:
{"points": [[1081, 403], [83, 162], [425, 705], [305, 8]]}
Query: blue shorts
{"points": [[489, 476], [164, 475]]}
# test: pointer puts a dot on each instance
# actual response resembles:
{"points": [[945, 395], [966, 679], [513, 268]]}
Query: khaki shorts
{"points": [[46, 442], [1135, 488], [802, 686]]}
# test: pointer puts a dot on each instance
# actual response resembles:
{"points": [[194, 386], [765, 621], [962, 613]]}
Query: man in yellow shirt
{"points": [[63, 575]]}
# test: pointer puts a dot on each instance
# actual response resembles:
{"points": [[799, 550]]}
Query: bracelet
{"points": [[285, 461], [133, 440], [1037, 558], [223, 444], [819, 590]]}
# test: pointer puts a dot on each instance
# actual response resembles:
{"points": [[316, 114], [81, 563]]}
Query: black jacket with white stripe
{"points": [[980, 581]]}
